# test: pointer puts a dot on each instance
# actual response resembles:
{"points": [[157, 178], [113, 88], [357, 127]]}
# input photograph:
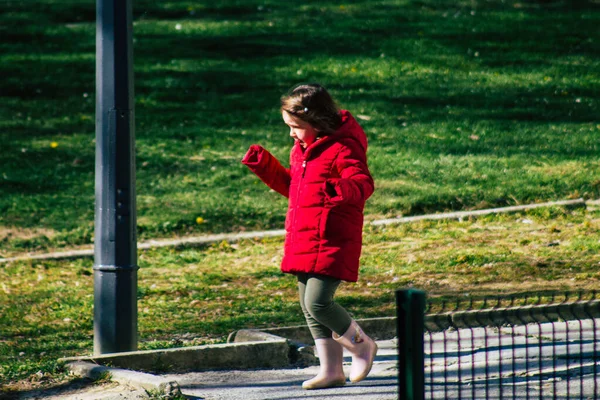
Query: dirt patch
{"points": [[7, 232], [81, 389]]}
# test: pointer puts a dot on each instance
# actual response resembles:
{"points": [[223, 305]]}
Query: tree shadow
{"points": [[199, 85]]}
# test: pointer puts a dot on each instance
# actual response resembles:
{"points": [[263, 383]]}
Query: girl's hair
{"points": [[312, 103]]}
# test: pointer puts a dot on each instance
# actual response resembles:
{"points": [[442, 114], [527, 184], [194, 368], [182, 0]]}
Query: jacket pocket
{"points": [[338, 225], [323, 222]]}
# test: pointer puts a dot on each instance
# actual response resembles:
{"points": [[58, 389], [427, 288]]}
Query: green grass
{"points": [[466, 104], [471, 104], [198, 295]]}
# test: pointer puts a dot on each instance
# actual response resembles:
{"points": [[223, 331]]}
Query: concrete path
{"points": [[286, 383], [520, 362], [480, 363]]}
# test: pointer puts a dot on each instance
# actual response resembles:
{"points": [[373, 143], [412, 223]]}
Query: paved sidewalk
{"points": [[548, 360], [280, 384], [511, 362], [519, 362]]}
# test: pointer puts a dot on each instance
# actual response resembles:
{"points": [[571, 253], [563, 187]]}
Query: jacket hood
{"points": [[351, 129]]}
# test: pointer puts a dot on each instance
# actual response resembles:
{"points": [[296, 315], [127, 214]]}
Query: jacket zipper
{"points": [[298, 198]]}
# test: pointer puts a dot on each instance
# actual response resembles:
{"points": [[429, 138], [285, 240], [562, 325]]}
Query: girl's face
{"points": [[300, 131]]}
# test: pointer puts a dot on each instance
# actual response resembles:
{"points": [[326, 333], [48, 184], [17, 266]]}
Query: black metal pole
{"points": [[410, 318], [115, 255]]}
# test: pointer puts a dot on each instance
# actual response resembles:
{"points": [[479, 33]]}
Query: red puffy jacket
{"points": [[327, 185]]}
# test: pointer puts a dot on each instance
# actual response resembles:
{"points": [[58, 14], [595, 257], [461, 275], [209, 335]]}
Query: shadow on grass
{"points": [[200, 87]]}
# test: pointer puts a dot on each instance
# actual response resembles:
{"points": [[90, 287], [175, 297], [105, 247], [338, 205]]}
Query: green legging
{"points": [[322, 314]]}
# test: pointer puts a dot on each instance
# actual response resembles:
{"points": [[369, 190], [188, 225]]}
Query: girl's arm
{"points": [[268, 169], [355, 184]]}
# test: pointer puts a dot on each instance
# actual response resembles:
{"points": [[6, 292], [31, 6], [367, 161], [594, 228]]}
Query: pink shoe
{"points": [[331, 358], [362, 348]]}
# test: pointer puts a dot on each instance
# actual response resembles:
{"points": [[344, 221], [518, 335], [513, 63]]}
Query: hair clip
{"points": [[305, 109]]}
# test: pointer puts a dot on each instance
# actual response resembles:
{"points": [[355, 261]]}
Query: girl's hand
{"points": [[268, 169], [330, 189]]}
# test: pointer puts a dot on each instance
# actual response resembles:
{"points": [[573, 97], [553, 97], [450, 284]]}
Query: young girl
{"points": [[327, 185]]}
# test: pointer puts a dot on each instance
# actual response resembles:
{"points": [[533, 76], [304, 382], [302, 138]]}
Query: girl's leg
{"points": [[314, 327], [318, 301], [329, 351], [328, 316]]}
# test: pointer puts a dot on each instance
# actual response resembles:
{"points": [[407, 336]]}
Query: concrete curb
{"points": [[233, 237], [301, 354], [165, 388], [466, 214], [276, 353], [517, 315], [252, 335], [383, 328]]}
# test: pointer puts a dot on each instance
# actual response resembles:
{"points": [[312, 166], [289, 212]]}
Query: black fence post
{"points": [[410, 308]]}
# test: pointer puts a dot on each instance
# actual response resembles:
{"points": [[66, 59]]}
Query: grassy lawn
{"points": [[198, 295], [467, 104]]}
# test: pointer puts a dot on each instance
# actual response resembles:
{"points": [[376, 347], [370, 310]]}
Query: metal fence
{"points": [[540, 345]]}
